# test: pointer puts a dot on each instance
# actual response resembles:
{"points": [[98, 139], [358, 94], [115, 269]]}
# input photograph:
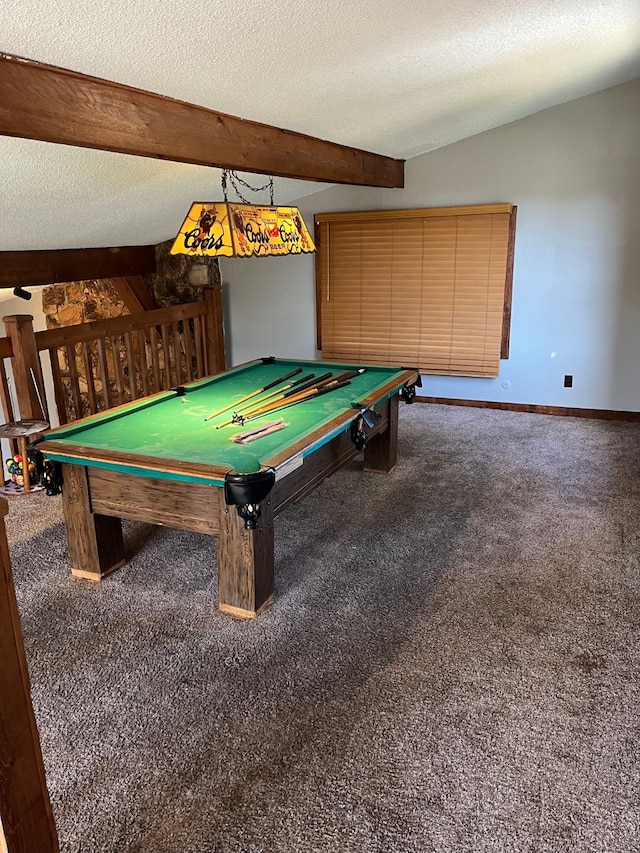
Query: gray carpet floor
{"points": [[451, 662]]}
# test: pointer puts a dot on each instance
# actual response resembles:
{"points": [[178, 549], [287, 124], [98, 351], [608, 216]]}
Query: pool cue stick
{"points": [[251, 432], [297, 398], [238, 417], [254, 435], [286, 391], [263, 410], [331, 378], [321, 380], [285, 404], [255, 393], [35, 385], [290, 396], [340, 377], [261, 434], [299, 384], [324, 377]]}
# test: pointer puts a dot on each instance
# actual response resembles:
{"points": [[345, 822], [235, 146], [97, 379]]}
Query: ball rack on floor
{"points": [[21, 431]]}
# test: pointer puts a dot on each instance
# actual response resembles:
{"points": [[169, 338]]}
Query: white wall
{"points": [[269, 306], [574, 173], [10, 304]]}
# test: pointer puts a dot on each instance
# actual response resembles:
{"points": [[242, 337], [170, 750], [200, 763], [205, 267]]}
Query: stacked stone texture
{"points": [[179, 279]]}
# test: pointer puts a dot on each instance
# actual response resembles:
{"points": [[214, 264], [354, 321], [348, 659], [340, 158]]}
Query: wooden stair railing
{"points": [[102, 364]]}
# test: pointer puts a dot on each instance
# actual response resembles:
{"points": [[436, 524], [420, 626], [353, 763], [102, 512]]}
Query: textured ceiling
{"points": [[396, 78]]}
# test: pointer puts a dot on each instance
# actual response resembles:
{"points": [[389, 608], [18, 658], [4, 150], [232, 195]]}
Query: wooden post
{"points": [[381, 450], [19, 328], [96, 546], [25, 809], [245, 561], [214, 329]]}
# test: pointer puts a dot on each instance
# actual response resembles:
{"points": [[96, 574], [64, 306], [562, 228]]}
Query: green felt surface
{"points": [[174, 428]]}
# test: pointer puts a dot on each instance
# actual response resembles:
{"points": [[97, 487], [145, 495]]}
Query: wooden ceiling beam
{"points": [[29, 268], [53, 104]]}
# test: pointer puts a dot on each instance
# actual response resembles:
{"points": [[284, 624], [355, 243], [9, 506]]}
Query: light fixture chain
{"points": [[234, 179]]}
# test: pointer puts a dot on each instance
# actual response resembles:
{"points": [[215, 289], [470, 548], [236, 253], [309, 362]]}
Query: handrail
{"points": [[67, 335], [103, 363]]}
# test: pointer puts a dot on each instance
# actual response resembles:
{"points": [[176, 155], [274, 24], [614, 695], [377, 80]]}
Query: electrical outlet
{"points": [[568, 380]]}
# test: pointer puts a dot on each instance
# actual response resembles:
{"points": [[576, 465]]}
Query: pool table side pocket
{"points": [[379, 455]]}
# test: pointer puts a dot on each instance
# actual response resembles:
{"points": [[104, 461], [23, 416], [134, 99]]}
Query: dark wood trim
{"points": [[508, 287], [317, 238], [562, 411], [49, 266], [57, 105], [214, 328]]}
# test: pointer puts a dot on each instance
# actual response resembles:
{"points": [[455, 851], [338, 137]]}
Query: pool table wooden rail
{"points": [[186, 467]]}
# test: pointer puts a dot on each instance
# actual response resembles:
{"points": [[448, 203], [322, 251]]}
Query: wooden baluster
{"points": [[198, 327], [58, 385], [117, 369], [88, 372], [214, 339], [177, 351], [74, 382], [164, 331], [142, 362], [131, 366], [7, 409], [104, 373], [155, 364], [188, 349]]}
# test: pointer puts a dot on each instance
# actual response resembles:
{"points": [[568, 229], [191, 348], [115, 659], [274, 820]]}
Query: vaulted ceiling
{"points": [[394, 78]]}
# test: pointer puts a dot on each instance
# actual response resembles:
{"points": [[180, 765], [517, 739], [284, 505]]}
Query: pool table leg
{"points": [[245, 562], [381, 450], [96, 546]]}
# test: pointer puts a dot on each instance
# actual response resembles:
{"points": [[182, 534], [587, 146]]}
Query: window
{"points": [[429, 288]]}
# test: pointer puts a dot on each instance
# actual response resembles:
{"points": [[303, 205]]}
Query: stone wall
{"points": [[179, 279], [81, 302]]}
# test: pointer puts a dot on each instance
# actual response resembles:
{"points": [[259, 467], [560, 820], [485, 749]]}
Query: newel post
{"points": [[214, 329], [26, 366], [25, 809]]}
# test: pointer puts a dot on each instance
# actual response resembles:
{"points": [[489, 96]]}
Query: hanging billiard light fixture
{"points": [[240, 229]]}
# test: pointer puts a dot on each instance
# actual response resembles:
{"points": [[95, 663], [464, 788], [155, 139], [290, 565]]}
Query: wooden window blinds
{"points": [[429, 288]]}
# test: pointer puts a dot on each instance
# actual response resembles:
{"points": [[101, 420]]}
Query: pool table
{"points": [[168, 459]]}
